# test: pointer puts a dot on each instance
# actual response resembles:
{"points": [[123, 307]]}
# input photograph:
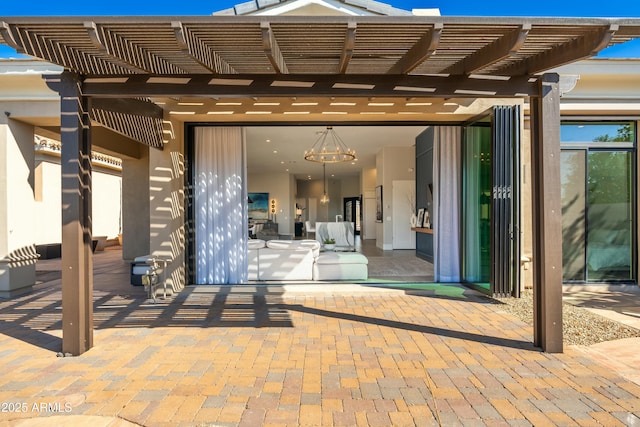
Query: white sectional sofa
{"points": [[282, 259], [302, 260], [342, 232]]}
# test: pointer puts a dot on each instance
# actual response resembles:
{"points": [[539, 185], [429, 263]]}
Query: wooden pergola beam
{"points": [[77, 254], [580, 48], [547, 216], [419, 52], [139, 120], [347, 49], [5, 32], [101, 46], [492, 53], [312, 85], [197, 50], [272, 50]]}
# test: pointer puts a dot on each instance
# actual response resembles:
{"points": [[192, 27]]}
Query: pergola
{"points": [[115, 66]]}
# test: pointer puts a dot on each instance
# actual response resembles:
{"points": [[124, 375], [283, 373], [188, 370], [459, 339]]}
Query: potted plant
{"points": [[329, 244]]}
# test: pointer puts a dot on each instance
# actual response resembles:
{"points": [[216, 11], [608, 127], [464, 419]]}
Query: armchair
{"points": [[308, 228]]}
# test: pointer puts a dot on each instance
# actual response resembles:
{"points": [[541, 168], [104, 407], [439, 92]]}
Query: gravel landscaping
{"points": [[580, 326]]}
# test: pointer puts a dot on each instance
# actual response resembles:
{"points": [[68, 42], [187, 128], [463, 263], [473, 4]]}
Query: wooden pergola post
{"points": [[547, 216], [77, 256]]}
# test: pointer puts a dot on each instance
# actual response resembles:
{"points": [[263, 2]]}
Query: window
{"points": [[598, 203]]}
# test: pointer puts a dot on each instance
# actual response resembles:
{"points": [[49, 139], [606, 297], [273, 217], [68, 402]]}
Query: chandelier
{"points": [[329, 148], [325, 197]]}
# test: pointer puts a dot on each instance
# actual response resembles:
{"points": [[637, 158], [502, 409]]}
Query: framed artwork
{"points": [[379, 203], [258, 205], [420, 218]]}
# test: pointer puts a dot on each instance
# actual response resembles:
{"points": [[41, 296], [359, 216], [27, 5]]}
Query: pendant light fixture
{"points": [[325, 198]]}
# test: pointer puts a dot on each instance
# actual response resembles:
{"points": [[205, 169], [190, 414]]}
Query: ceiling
{"points": [[280, 149], [280, 129]]}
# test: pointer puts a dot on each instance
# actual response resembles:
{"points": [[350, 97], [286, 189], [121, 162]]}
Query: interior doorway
{"points": [[351, 212]]}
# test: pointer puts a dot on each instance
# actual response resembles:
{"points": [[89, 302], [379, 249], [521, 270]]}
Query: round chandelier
{"points": [[329, 148]]}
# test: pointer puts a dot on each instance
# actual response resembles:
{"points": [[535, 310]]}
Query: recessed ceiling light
{"points": [[258, 112], [334, 112], [228, 103], [275, 151], [190, 103], [372, 112], [182, 112], [381, 104], [296, 112], [343, 103], [298, 104], [220, 112], [417, 104], [266, 103]]}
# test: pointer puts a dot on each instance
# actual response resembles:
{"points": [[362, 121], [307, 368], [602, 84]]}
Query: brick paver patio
{"points": [[296, 356]]}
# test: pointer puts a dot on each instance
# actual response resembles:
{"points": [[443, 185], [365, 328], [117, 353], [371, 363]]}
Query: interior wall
{"points": [[368, 186], [393, 163], [280, 187], [311, 191]]}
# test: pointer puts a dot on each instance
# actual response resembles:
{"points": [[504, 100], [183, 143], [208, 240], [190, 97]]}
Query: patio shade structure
{"points": [[117, 66]]}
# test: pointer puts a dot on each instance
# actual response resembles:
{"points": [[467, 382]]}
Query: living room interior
{"points": [[285, 190], [276, 166]]}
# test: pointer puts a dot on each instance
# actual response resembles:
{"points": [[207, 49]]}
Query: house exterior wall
{"points": [[17, 250], [48, 209], [167, 238]]}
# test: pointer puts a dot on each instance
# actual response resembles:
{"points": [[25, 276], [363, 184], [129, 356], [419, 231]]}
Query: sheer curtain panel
{"points": [[220, 206], [446, 202]]}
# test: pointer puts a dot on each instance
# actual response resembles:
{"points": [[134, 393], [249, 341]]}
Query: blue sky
{"points": [[560, 8]]}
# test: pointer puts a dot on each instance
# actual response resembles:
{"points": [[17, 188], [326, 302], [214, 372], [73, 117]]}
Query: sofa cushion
{"points": [[341, 258], [285, 264], [312, 245], [256, 244]]}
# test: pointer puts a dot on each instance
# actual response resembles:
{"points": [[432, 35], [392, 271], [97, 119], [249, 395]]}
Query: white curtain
{"points": [[220, 205], [446, 202]]}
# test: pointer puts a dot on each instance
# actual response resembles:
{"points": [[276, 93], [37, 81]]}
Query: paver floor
{"points": [[297, 356]]}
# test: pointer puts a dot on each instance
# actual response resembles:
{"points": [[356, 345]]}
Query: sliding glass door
{"points": [[598, 202]]}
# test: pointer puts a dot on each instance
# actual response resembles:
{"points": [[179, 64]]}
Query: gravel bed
{"points": [[580, 326]]}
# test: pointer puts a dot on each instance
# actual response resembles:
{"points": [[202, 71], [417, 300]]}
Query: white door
{"points": [[402, 192]]}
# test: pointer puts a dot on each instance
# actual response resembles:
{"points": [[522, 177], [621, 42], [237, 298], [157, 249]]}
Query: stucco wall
{"points": [[166, 205], [48, 210]]}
